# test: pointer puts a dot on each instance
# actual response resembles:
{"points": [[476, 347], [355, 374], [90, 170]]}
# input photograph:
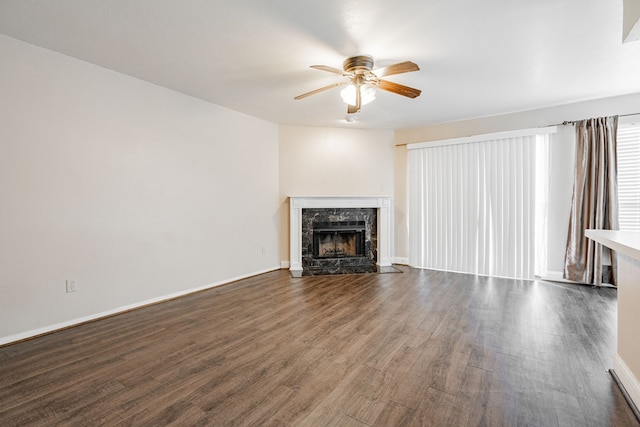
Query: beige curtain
{"points": [[595, 199]]}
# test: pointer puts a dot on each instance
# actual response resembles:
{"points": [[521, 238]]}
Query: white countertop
{"points": [[624, 242]]}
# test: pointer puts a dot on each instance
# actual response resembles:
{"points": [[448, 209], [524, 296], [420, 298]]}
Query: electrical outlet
{"points": [[71, 286]]}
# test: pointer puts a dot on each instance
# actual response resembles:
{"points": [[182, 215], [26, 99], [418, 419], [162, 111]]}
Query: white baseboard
{"points": [[553, 275], [628, 380], [284, 264], [556, 276], [74, 322]]}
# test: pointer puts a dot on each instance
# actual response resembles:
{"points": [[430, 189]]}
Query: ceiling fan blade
{"points": [[399, 89], [402, 67], [330, 69], [322, 89]]}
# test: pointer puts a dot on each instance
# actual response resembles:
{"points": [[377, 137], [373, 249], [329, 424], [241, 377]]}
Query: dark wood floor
{"points": [[411, 348]]}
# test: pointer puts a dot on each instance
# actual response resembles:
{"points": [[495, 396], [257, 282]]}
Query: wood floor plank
{"points": [[394, 414], [413, 348], [438, 408]]}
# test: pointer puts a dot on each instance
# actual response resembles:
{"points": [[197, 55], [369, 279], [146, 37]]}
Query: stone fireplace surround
{"points": [[339, 240], [382, 204]]}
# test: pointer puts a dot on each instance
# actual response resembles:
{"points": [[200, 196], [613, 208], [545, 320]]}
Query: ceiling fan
{"points": [[362, 81]]}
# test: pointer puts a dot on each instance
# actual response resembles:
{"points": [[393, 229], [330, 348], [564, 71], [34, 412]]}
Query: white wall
{"points": [[401, 208], [331, 162], [134, 191], [626, 104], [561, 167]]}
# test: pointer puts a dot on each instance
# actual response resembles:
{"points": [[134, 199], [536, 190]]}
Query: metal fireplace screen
{"points": [[339, 239]]}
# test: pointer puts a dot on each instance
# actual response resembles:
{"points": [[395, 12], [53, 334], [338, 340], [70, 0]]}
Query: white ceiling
{"points": [[477, 58]]}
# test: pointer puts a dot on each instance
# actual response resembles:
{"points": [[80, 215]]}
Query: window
{"points": [[472, 203], [629, 176]]}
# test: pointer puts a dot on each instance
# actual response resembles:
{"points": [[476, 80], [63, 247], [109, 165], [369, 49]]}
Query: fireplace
{"points": [[339, 239], [339, 233]]}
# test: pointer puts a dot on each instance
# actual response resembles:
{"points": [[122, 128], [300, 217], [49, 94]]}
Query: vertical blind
{"points": [[472, 206], [629, 176]]}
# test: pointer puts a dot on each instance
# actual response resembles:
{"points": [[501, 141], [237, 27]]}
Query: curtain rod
{"points": [[570, 122], [565, 123]]}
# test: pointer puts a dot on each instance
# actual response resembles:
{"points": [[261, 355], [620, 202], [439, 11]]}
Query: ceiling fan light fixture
{"points": [[367, 94]]}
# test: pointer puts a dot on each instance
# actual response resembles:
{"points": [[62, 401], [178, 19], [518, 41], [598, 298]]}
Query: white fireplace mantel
{"points": [[381, 203]]}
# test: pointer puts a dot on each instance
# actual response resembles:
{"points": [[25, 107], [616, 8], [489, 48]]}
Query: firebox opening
{"points": [[339, 239]]}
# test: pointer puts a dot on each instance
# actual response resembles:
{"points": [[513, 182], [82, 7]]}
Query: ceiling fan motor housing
{"points": [[358, 64]]}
